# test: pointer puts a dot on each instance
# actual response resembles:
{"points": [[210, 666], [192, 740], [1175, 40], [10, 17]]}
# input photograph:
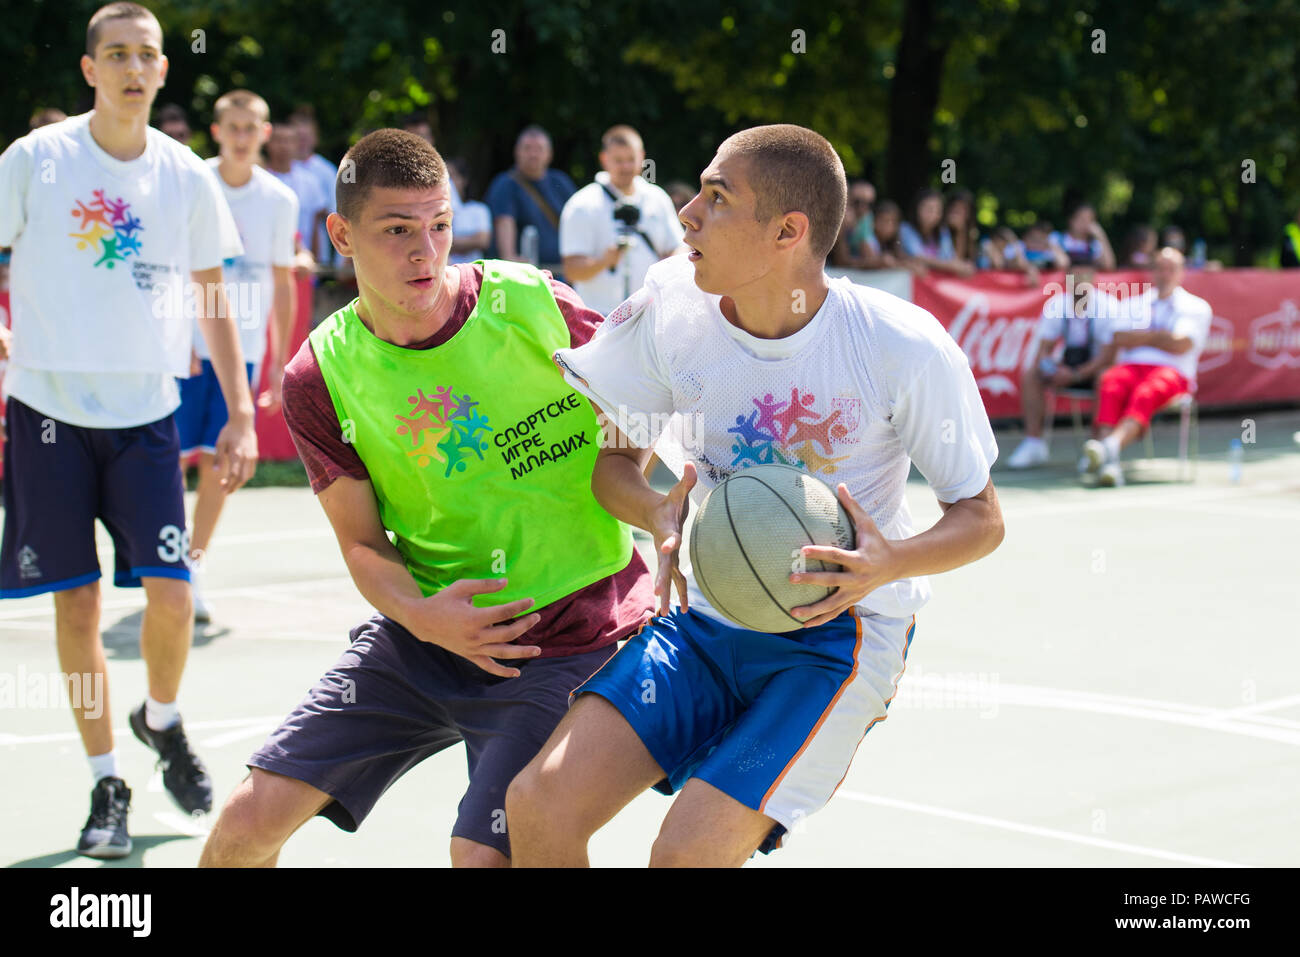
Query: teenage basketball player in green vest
{"points": [[454, 464]]}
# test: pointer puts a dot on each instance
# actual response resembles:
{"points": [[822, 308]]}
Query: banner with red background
{"points": [[1252, 355]]}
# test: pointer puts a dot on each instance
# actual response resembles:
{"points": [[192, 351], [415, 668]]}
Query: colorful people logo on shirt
{"points": [[444, 427], [790, 433], [108, 230]]}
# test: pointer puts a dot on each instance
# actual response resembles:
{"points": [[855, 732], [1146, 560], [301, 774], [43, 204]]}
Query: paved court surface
{"points": [[1117, 685]]}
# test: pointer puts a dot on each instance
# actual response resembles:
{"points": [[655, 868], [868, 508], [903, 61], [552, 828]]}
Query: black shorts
{"points": [[392, 700], [59, 478]]}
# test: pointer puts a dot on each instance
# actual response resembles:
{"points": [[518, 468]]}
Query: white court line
{"points": [[1245, 511], [971, 694], [120, 604], [1035, 830], [1138, 497], [11, 739], [186, 825], [1273, 705], [258, 729]]}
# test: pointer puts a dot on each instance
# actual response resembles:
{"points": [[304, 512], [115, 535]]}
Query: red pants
{"points": [[1137, 391]]}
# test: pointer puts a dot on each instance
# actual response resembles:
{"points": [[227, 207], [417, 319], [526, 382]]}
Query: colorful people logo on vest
{"points": [[794, 433], [444, 428], [108, 230]]}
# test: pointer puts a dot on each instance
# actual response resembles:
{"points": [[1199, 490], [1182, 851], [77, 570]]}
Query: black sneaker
{"points": [[184, 775], [104, 835]]}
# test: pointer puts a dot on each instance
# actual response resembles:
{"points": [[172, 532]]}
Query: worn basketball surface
{"points": [[747, 539]]}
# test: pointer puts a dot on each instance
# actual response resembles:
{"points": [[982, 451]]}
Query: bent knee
{"points": [[673, 851], [171, 597], [259, 816]]}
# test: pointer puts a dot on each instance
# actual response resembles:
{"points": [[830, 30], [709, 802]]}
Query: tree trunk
{"points": [[913, 96]]}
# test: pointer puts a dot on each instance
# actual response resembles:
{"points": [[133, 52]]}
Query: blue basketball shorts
{"points": [[59, 478], [202, 413], [772, 721]]}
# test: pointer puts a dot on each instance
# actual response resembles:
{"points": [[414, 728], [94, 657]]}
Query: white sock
{"points": [[159, 716], [1111, 444], [103, 765]]}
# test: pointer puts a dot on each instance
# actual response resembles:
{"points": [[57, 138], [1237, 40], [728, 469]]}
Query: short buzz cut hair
{"points": [[387, 159], [621, 135], [793, 169], [114, 11], [241, 100]]}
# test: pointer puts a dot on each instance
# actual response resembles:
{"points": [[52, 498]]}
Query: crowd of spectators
{"points": [[941, 234]]}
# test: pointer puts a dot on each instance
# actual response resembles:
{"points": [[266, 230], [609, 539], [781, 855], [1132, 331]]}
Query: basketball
{"points": [[747, 538]]}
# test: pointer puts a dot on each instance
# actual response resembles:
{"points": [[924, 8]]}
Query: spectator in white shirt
{"points": [[471, 221], [613, 230], [1159, 347], [1083, 316]]}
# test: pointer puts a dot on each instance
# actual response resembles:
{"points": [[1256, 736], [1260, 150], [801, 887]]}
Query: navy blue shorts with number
{"points": [[59, 478]]}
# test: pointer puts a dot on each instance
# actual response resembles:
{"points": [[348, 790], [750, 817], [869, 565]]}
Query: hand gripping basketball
{"points": [[668, 521], [866, 567]]}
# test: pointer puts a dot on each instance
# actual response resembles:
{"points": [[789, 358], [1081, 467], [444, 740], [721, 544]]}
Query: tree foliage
{"points": [[1152, 124]]}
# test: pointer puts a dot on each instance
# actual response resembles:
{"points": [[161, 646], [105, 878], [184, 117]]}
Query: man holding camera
{"points": [[1083, 316], [613, 230]]}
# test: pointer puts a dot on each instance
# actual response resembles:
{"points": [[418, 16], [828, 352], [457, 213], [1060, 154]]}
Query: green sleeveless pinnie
{"points": [[479, 452]]}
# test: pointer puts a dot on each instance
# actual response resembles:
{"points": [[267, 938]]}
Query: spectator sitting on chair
{"points": [[1083, 316], [929, 243], [1041, 249], [883, 249], [1160, 342], [1084, 241], [1139, 248], [959, 217], [850, 249]]}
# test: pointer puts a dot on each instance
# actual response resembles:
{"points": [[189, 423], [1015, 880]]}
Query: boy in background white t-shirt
{"points": [[258, 282], [759, 357], [108, 218]]}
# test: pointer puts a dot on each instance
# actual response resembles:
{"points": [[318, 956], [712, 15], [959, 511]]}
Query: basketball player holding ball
{"points": [[753, 355]]}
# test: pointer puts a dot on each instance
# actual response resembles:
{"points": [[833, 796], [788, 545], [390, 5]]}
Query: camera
{"points": [[628, 214]]}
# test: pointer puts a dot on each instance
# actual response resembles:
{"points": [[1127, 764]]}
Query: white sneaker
{"points": [[202, 610], [1030, 452], [1111, 475], [1095, 455], [1085, 465]]}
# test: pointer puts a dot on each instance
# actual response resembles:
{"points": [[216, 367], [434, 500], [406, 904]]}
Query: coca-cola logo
{"points": [[1274, 339], [996, 347]]}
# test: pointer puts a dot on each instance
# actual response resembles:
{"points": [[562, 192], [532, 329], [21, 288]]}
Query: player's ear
{"points": [[264, 134], [216, 137], [340, 233], [794, 226], [88, 69], [163, 64]]}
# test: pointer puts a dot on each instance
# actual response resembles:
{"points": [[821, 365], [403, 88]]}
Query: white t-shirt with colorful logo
{"points": [[266, 214], [102, 254], [1182, 314], [870, 385]]}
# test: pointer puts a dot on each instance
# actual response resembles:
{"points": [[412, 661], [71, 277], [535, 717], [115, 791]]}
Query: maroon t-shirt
{"points": [[605, 611]]}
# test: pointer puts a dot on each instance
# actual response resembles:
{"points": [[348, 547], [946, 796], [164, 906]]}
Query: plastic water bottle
{"points": [[529, 241], [1198, 254], [1235, 454]]}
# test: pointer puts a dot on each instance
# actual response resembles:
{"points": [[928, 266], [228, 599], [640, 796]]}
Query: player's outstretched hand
{"points": [[236, 454], [6, 337], [669, 521], [865, 569], [450, 620]]}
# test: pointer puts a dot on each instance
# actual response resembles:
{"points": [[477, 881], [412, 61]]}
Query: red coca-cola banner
{"points": [[1252, 355], [273, 441]]}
